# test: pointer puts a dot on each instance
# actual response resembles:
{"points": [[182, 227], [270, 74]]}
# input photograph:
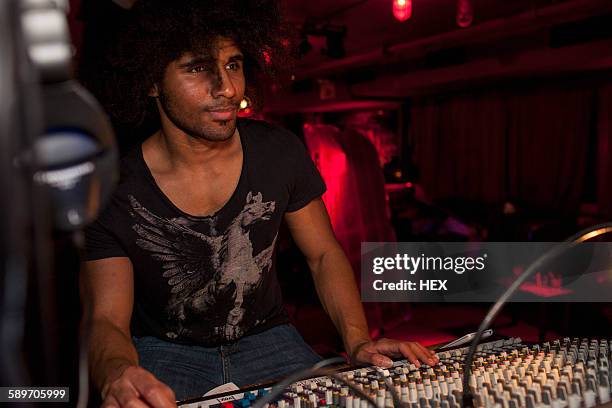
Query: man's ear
{"points": [[154, 92]]}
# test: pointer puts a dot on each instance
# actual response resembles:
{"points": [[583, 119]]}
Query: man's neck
{"points": [[177, 151]]}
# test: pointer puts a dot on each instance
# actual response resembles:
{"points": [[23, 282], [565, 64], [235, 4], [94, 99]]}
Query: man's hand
{"points": [[378, 352], [137, 388]]}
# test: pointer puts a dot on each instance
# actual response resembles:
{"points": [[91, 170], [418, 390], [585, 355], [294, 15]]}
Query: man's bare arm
{"points": [[107, 297], [107, 294], [335, 283], [331, 271]]}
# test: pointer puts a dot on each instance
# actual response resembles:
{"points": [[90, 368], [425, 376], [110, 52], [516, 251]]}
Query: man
{"points": [[180, 279]]}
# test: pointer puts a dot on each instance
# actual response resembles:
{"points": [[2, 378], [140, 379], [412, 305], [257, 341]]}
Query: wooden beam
{"points": [[490, 31], [584, 57]]}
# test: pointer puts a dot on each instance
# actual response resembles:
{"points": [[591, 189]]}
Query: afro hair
{"points": [[157, 32]]}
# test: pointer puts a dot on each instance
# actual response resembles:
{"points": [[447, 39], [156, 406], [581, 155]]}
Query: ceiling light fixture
{"points": [[402, 9]]}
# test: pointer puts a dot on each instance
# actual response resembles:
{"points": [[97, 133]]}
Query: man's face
{"points": [[201, 96]]}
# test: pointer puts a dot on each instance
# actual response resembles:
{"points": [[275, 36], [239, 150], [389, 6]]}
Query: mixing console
{"points": [[572, 373]]}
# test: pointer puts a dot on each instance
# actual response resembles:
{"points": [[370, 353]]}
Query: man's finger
{"points": [[376, 359], [135, 403], [159, 396], [123, 392], [407, 352], [381, 361], [423, 354], [431, 353], [156, 393], [388, 347], [128, 398], [110, 402]]}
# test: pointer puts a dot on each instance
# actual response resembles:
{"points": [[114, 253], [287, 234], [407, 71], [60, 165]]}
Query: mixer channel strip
{"points": [[572, 373]]}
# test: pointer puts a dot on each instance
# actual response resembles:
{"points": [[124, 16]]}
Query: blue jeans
{"points": [[193, 370]]}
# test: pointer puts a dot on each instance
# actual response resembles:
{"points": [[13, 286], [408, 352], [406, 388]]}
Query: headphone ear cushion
{"points": [[76, 160]]}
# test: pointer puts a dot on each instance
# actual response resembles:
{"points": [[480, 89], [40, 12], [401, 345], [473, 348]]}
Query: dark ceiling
{"points": [[390, 60], [370, 23]]}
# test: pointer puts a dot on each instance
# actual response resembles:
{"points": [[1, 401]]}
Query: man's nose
{"points": [[224, 86]]}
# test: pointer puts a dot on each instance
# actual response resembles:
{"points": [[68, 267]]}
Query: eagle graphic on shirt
{"points": [[211, 275]]}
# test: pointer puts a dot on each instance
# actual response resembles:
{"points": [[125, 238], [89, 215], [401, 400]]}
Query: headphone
{"points": [[75, 160]]}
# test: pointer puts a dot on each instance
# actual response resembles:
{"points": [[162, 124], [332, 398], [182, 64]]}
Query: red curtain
{"points": [[548, 143], [459, 146], [526, 146], [604, 133]]}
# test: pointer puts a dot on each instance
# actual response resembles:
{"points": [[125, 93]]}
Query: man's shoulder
{"points": [[263, 133], [131, 168], [131, 155], [260, 127]]}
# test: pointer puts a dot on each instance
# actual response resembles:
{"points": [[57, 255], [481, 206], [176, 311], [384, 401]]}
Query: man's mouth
{"points": [[223, 113]]}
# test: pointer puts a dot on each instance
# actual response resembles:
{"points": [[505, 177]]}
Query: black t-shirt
{"points": [[208, 280]]}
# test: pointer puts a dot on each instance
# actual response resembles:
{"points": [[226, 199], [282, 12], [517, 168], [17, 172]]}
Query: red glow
{"points": [[245, 113], [465, 13], [402, 9], [408, 185], [267, 57], [330, 159]]}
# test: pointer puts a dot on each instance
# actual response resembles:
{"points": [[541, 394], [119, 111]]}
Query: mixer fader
{"points": [[572, 373]]}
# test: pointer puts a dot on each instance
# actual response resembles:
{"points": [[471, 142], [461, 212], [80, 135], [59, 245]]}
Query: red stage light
{"points": [[402, 9], [465, 13], [267, 57]]}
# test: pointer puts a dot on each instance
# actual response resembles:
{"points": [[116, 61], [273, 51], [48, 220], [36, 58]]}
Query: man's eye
{"points": [[233, 66], [199, 68]]}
